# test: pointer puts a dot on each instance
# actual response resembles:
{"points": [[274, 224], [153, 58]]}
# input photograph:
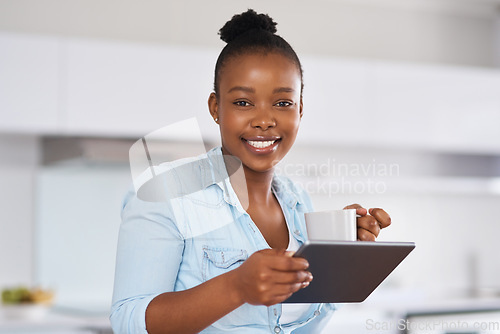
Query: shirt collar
{"points": [[283, 190], [213, 171], [212, 168]]}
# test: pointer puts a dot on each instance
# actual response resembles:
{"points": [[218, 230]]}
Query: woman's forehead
{"points": [[271, 69]]}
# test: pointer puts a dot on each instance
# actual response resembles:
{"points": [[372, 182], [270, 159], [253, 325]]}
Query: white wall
{"points": [[18, 165]]}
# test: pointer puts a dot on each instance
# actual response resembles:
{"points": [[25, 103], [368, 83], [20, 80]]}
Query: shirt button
{"points": [[297, 232], [277, 329], [317, 312], [275, 312]]}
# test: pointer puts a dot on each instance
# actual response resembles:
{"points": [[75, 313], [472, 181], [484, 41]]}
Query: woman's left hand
{"points": [[371, 221]]}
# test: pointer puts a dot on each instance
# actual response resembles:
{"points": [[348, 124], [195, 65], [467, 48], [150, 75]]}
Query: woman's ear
{"points": [[301, 106], [213, 107]]}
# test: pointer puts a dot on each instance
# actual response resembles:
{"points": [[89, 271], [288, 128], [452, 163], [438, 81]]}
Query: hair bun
{"points": [[241, 23]]}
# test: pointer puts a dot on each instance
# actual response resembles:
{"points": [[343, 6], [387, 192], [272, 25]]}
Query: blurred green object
{"points": [[16, 296]]}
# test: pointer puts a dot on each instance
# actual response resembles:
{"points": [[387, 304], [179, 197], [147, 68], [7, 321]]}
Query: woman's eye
{"points": [[242, 103], [284, 104]]}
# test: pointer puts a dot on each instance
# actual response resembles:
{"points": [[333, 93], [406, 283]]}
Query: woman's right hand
{"points": [[270, 276]]}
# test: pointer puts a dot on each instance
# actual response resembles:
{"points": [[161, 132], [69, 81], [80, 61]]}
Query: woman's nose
{"points": [[263, 119]]}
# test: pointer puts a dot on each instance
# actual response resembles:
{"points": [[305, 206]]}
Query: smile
{"points": [[261, 144]]}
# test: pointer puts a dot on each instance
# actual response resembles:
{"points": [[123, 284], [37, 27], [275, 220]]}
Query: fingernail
{"points": [[370, 210], [304, 284]]}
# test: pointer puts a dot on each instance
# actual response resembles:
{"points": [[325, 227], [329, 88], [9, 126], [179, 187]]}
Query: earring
{"points": [[216, 119]]}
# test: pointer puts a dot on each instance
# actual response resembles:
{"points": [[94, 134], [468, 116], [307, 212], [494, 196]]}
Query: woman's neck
{"points": [[251, 187], [259, 183]]}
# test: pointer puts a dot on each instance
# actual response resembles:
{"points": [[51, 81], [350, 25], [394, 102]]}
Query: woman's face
{"points": [[259, 108]]}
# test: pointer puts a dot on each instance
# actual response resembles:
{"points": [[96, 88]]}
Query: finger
{"points": [[293, 289], [286, 263], [370, 224], [359, 209], [364, 235], [273, 251], [381, 216], [353, 206], [291, 277], [283, 291]]}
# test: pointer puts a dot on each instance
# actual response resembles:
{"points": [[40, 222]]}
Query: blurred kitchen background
{"points": [[401, 111]]}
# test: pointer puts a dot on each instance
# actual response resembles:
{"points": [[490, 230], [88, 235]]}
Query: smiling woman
{"points": [[205, 261]]}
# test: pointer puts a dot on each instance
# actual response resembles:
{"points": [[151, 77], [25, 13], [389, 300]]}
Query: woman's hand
{"points": [[369, 225], [270, 276]]}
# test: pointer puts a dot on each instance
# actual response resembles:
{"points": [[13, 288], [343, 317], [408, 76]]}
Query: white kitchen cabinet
{"points": [[401, 105], [29, 83], [334, 101], [438, 108], [117, 89]]}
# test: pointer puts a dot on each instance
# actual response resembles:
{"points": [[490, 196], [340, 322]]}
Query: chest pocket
{"points": [[217, 261]]}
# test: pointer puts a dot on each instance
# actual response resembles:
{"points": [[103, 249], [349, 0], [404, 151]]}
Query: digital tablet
{"points": [[347, 271]]}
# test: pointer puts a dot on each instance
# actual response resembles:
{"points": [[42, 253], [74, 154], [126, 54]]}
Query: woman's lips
{"points": [[262, 145]]}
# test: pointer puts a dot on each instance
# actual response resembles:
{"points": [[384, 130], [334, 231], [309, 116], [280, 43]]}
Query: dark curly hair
{"points": [[250, 32]]}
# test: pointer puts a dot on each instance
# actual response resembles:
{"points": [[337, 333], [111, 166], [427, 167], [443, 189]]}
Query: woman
{"points": [[218, 258]]}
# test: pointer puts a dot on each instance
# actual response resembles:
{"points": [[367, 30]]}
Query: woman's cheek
{"points": [[292, 123]]}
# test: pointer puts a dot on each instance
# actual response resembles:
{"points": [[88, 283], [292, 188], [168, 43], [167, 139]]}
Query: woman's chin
{"points": [[266, 167]]}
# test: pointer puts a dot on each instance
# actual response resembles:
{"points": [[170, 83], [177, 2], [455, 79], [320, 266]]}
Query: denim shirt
{"points": [[200, 232]]}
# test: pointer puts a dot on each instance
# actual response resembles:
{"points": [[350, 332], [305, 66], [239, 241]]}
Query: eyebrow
{"points": [[283, 90], [251, 90], [242, 88]]}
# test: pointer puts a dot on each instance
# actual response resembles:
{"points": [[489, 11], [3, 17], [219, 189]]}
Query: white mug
{"points": [[332, 225]]}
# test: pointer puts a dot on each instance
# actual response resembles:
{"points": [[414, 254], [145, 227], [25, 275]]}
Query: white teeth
{"points": [[261, 144]]}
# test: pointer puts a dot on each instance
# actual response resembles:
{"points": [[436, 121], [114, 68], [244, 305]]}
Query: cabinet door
{"points": [[436, 107], [401, 105], [29, 82], [335, 102], [131, 90]]}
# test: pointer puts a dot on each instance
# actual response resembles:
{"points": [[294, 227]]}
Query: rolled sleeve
{"points": [[148, 256]]}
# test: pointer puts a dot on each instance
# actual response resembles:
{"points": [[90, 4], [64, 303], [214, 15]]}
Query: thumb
{"points": [[359, 209]]}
